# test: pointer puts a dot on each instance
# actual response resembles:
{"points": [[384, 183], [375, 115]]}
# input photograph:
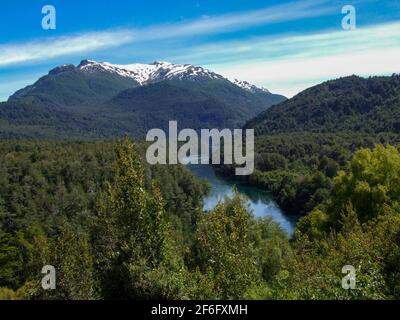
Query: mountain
{"points": [[103, 99], [215, 103], [68, 85], [150, 73], [249, 87], [303, 143], [370, 105]]}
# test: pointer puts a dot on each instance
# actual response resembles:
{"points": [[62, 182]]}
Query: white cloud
{"points": [[238, 21], [284, 63], [289, 76], [290, 64], [12, 54], [317, 44], [42, 50]]}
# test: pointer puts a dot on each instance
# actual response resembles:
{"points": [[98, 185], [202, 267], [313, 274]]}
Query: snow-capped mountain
{"points": [[149, 73], [160, 71], [104, 99], [249, 87]]}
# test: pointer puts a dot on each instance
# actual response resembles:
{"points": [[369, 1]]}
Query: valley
{"points": [[324, 193]]}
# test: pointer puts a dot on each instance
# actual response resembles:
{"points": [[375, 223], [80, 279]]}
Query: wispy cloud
{"points": [[325, 42], [285, 63], [290, 76], [292, 63], [42, 50], [238, 21]]}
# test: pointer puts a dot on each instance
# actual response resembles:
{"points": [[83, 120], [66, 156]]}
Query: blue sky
{"points": [[285, 46]]}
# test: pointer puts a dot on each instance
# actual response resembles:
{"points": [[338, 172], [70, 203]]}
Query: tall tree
{"points": [[136, 244]]}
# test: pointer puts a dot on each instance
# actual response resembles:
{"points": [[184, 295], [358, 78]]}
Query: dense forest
{"points": [[302, 143], [299, 168], [356, 104], [114, 227]]}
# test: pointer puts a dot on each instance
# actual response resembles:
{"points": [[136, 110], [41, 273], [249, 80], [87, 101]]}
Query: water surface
{"points": [[260, 202]]}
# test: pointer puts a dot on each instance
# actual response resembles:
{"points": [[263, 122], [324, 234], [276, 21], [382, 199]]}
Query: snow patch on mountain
{"points": [[153, 72], [159, 71], [249, 87]]}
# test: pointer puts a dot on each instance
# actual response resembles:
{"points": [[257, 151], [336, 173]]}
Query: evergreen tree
{"points": [[138, 243]]}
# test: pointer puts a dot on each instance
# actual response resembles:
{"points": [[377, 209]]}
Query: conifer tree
{"points": [[139, 250]]}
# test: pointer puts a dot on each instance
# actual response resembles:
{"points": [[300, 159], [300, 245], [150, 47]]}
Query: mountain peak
{"points": [[102, 99], [250, 87], [86, 62], [63, 68], [160, 71], [157, 63]]}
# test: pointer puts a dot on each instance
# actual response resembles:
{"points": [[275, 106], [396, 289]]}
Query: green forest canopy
{"points": [[75, 204]]}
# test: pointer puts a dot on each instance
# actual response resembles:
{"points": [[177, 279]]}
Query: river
{"points": [[261, 203]]}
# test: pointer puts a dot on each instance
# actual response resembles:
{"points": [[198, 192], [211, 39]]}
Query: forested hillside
{"points": [[302, 143], [356, 104], [116, 229], [327, 154]]}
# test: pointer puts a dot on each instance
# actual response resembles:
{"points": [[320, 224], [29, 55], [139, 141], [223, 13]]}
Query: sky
{"points": [[284, 46]]}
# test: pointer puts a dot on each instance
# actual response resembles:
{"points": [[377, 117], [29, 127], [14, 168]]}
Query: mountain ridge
{"points": [[350, 103], [145, 74], [107, 100]]}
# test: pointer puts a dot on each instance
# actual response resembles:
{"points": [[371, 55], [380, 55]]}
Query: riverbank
{"points": [[261, 203]]}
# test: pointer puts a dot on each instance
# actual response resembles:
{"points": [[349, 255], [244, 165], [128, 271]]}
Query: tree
{"points": [[72, 259], [358, 226], [372, 182], [11, 262], [225, 251], [137, 249]]}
